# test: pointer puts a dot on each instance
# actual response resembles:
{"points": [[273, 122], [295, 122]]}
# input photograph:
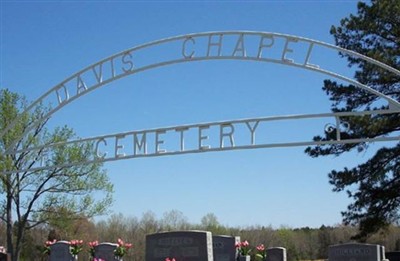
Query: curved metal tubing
{"points": [[139, 141], [128, 69]]}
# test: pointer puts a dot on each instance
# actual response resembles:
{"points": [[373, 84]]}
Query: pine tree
{"points": [[373, 185]]}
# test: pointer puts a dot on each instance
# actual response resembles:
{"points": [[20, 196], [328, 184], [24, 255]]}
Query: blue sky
{"points": [[44, 42]]}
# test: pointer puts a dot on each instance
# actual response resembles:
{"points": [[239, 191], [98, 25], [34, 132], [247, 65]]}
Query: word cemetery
{"points": [[214, 136]]}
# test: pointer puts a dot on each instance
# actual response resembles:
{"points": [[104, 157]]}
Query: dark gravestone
{"points": [[224, 248], [276, 254], [182, 245], [4, 257], [105, 251], [355, 252], [60, 251], [393, 256]]}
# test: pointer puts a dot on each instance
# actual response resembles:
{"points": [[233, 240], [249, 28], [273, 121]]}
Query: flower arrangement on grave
{"points": [[122, 248], [261, 252], [76, 246], [243, 248], [92, 245], [47, 244]]}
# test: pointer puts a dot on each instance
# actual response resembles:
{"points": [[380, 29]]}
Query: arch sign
{"points": [[233, 45]]}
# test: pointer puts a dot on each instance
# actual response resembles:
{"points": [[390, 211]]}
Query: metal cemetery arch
{"points": [[199, 47]]}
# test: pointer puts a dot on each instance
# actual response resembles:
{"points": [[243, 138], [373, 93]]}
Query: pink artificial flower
{"points": [[260, 247], [76, 242], [243, 248], [49, 243], [120, 242], [93, 244]]}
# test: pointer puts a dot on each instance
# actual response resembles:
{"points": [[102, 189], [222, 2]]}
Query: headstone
{"points": [[393, 256], [224, 248], [355, 252], [382, 253], [60, 251], [3, 257], [182, 245], [105, 251], [276, 254]]}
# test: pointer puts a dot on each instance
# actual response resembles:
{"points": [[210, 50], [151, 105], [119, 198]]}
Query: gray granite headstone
{"points": [[382, 253], [393, 256], [105, 251], [60, 251], [354, 252], [224, 248], [276, 254], [182, 245], [3, 257]]}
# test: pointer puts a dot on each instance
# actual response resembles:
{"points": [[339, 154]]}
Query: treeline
{"points": [[301, 243]]}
